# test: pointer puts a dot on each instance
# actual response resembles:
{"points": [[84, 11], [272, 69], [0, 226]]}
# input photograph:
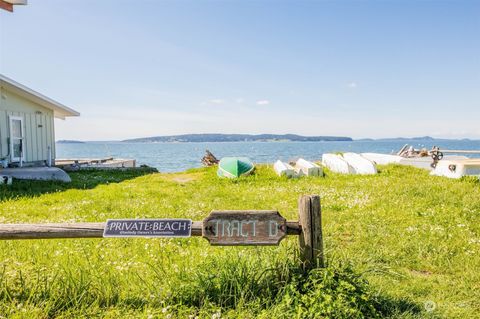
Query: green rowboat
{"points": [[233, 167]]}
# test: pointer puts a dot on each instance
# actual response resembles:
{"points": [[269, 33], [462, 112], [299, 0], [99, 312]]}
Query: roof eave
{"points": [[60, 110]]}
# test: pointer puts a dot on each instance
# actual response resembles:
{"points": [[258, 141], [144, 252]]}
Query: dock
{"points": [[94, 163]]}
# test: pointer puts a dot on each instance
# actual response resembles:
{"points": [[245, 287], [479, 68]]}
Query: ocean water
{"points": [[174, 157]]}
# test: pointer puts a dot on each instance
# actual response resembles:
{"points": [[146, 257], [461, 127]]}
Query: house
{"points": [[27, 132]]}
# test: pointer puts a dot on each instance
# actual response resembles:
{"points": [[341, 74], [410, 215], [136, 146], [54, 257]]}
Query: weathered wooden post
{"points": [[311, 238]]}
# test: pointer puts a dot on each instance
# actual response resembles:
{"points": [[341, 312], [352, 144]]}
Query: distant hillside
{"points": [[420, 138], [70, 142], [237, 138]]}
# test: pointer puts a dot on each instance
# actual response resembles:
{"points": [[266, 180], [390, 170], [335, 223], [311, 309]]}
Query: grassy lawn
{"points": [[401, 244]]}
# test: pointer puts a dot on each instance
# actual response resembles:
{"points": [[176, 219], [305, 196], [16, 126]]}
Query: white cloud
{"points": [[217, 101], [240, 100], [263, 102], [352, 85]]}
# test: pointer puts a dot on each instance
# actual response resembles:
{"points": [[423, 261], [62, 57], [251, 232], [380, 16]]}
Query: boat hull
{"points": [[382, 159], [233, 167], [337, 164], [308, 168], [283, 169], [457, 168], [426, 162], [360, 164]]}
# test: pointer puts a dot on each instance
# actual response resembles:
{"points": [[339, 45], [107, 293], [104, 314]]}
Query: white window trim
{"points": [[22, 121]]}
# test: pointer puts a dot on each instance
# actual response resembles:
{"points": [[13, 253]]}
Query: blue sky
{"points": [[352, 68]]}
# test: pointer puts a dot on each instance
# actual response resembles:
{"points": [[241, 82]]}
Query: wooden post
{"points": [[311, 238]]}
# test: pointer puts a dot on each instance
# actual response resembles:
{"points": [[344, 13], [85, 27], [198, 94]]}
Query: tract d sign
{"points": [[148, 228], [230, 228]]}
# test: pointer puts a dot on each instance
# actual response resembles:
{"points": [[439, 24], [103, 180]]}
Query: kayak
{"points": [[233, 167], [283, 169], [337, 164]]}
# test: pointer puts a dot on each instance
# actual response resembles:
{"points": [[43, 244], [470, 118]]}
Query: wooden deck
{"points": [[97, 163]]}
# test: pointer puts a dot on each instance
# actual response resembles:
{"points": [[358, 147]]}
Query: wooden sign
{"points": [[148, 228], [231, 228]]}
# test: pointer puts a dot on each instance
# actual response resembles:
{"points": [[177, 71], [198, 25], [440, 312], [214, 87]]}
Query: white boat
{"points": [[284, 169], [360, 164], [382, 159], [457, 168], [426, 162], [337, 164], [37, 173], [298, 172], [308, 168]]}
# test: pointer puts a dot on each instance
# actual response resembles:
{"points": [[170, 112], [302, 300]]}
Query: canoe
{"points": [[360, 164], [382, 159], [283, 169], [233, 167], [457, 168], [337, 164], [308, 168]]}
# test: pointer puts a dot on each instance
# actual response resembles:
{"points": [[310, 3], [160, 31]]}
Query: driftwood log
{"points": [[209, 159]]}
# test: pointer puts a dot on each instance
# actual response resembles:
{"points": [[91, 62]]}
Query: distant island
{"points": [[237, 138], [186, 138], [70, 142], [420, 138]]}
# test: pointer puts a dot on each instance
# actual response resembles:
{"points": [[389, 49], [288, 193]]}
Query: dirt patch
{"points": [[182, 178]]}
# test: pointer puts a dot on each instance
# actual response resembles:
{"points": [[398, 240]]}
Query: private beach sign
{"points": [[220, 228], [148, 228]]}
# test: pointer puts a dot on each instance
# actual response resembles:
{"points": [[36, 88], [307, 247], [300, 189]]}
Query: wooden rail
{"points": [[308, 228], [86, 230]]}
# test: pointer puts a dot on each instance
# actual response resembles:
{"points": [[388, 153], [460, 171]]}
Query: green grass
{"points": [[396, 244]]}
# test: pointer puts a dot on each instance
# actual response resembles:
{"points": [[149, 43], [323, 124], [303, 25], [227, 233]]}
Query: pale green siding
{"points": [[37, 125]]}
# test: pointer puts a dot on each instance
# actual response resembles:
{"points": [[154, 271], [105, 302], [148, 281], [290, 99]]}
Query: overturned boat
{"points": [[308, 168], [284, 169], [360, 164], [37, 173], [337, 164], [233, 167], [382, 159]]}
